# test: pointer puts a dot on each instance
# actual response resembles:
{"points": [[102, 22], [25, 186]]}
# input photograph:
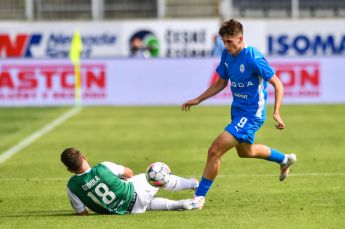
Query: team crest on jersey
{"points": [[242, 68]]}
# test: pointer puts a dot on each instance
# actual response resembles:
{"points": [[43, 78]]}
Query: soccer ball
{"points": [[158, 174]]}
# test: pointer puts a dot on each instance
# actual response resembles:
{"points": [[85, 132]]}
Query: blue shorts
{"points": [[243, 128]]}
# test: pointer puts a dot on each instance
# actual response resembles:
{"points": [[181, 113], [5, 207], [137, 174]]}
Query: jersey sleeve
{"points": [[222, 69], [118, 170], [76, 203], [262, 68]]}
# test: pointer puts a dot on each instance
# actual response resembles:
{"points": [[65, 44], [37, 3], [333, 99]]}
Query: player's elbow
{"points": [[131, 173], [280, 85], [276, 82], [83, 213], [220, 84], [223, 84], [128, 173]]}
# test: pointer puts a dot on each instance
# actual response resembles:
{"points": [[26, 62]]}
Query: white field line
{"points": [[291, 174], [27, 141], [222, 175]]}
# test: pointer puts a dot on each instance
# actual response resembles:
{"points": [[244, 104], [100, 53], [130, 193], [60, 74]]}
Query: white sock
{"points": [[179, 183], [157, 204], [285, 160]]}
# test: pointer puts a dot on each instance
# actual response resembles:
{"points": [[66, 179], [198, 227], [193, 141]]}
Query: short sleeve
{"points": [[76, 203], [118, 170], [262, 68], [222, 69]]}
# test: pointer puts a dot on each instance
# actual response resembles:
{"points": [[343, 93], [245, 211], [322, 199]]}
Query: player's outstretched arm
{"points": [[216, 87], [279, 92]]}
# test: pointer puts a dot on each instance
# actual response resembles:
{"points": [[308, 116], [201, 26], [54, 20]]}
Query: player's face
{"points": [[233, 44]]}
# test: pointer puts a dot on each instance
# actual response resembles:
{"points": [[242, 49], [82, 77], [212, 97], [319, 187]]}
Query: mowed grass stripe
{"points": [[34, 136], [219, 176]]}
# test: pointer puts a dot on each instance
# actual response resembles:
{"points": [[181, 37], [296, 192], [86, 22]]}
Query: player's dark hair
{"points": [[231, 27], [72, 158]]}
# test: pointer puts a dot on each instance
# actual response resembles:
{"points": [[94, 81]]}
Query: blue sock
{"points": [[204, 186], [276, 156]]}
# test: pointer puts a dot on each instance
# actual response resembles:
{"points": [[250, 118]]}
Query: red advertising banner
{"points": [[39, 83]]}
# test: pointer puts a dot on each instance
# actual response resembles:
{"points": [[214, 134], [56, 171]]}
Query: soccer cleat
{"points": [[198, 202], [195, 183], [285, 169], [187, 204]]}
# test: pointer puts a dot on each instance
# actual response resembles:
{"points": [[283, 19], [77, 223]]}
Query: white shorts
{"points": [[145, 193]]}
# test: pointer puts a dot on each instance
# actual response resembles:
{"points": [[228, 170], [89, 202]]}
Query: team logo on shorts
{"points": [[242, 68]]}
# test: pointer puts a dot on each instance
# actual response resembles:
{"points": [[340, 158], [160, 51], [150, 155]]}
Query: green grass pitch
{"points": [[246, 194]]}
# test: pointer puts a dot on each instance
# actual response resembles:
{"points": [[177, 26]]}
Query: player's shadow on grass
{"points": [[32, 214], [39, 214]]}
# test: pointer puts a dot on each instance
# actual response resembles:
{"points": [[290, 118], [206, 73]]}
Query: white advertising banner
{"points": [[317, 37], [157, 81], [53, 39], [175, 38], [169, 38]]}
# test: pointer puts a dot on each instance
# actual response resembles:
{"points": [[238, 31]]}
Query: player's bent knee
{"points": [[214, 153], [246, 153]]}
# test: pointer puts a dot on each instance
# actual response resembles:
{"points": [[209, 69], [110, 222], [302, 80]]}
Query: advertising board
{"points": [[180, 38], [157, 81]]}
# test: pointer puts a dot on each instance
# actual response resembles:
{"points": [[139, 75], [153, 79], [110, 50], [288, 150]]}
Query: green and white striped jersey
{"points": [[101, 189]]}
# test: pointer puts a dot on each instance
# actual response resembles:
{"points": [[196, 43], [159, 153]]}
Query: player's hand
{"points": [[186, 106], [280, 124]]}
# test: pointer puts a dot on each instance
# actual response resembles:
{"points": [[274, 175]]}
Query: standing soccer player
{"points": [[248, 72]]}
